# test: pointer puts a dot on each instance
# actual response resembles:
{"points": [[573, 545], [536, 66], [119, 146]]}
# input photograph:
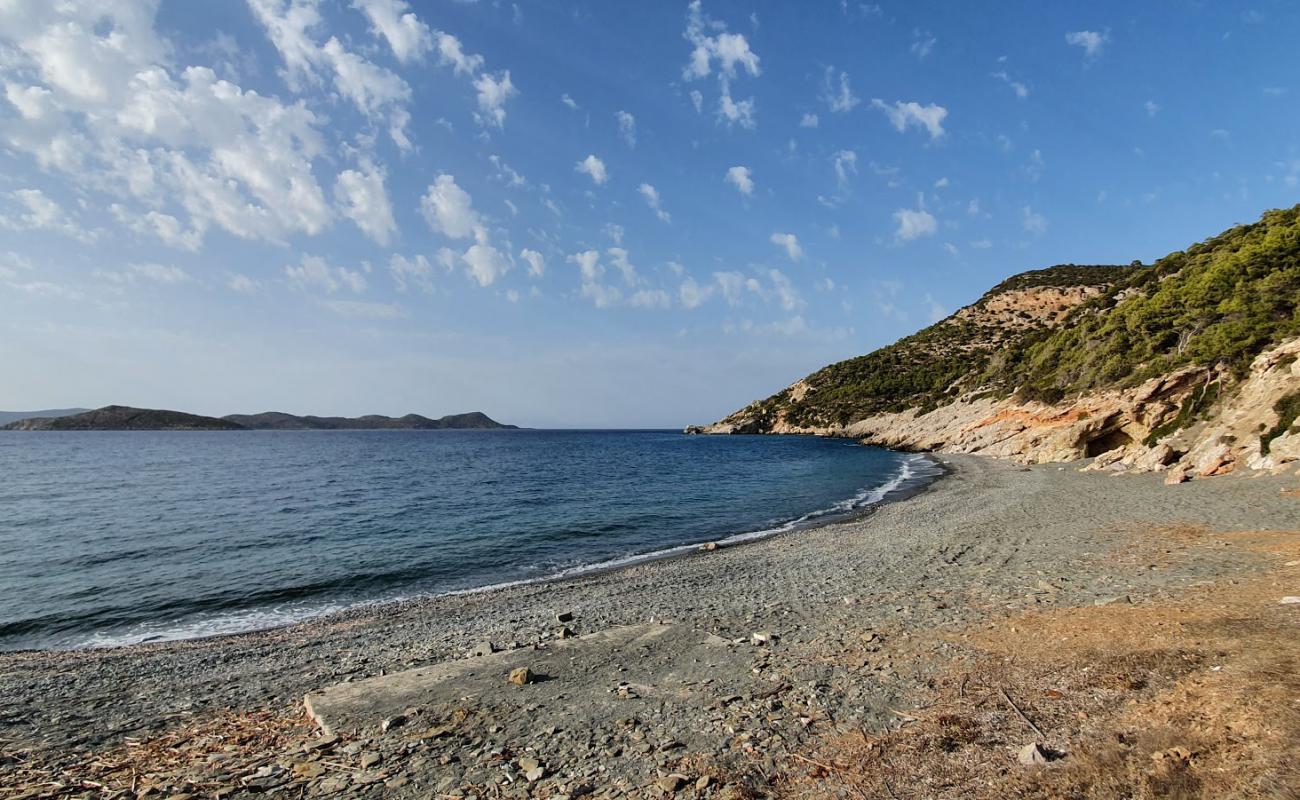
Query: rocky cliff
{"points": [[1190, 365]]}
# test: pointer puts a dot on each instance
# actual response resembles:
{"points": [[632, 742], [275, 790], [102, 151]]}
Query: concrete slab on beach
{"points": [[591, 677]]}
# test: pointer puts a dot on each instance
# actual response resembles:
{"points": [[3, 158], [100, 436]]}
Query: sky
{"points": [[586, 214]]}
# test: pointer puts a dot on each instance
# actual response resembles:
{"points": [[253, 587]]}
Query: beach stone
{"points": [[1290, 601], [1177, 475], [566, 633], [1032, 755], [761, 638], [485, 649], [534, 775], [521, 676], [308, 770], [671, 783], [708, 547], [370, 758], [564, 616], [323, 743], [391, 723], [528, 764], [703, 782]]}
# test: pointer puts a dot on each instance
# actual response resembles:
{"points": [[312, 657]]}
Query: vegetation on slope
{"points": [[1219, 302]]}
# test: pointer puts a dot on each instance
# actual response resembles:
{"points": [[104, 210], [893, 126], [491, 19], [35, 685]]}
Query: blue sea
{"points": [[111, 538]]}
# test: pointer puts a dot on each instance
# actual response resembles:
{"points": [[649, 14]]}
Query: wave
{"points": [[914, 472]]}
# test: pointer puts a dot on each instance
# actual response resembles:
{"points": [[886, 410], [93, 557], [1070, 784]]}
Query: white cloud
{"points": [[492, 96], [1033, 222], [363, 199], [588, 263], [409, 38], [451, 53], [165, 227], [1021, 90], [981, 244], [449, 210], [411, 272], [1151, 108], [314, 272], [735, 112], [486, 263], [1092, 42], [692, 295], [626, 127], [536, 264], [922, 43], [593, 167], [809, 121], [697, 100], [242, 283], [601, 296], [846, 165], [741, 178], [727, 49], [942, 183], [790, 243], [842, 99], [506, 173], [913, 224], [569, 101], [904, 115], [650, 298], [651, 195], [37, 212], [619, 257]]}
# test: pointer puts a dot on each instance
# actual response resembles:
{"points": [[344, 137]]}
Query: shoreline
{"points": [[968, 550], [815, 519]]}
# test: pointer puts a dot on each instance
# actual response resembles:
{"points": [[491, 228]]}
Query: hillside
{"points": [[275, 420], [7, 417], [1189, 364], [124, 418]]}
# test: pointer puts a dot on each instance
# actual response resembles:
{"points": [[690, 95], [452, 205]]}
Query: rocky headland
{"points": [[1188, 366]]}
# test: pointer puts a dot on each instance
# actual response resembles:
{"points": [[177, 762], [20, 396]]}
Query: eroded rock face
{"points": [[1114, 427]]}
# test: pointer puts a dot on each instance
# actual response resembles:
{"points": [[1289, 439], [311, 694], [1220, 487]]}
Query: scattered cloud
{"points": [[1033, 222], [914, 115], [914, 223], [1151, 108], [569, 101], [789, 243], [411, 273], [651, 195], [1020, 89], [742, 179], [315, 273], [594, 168], [840, 99], [846, 166], [1092, 42], [408, 37], [358, 309], [361, 197], [626, 127], [809, 121], [536, 264], [923, 43], [449, 210]]}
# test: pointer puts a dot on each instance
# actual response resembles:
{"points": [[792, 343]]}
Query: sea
{"points": [[116, 538]]}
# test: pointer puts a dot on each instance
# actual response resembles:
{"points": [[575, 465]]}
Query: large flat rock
{"points": [[576, 678]]}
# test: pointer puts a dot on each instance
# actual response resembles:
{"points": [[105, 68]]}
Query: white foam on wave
{"points": [[912, 469]]}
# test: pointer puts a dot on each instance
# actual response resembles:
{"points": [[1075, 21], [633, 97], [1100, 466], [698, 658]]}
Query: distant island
{"points": [[125, 418]]}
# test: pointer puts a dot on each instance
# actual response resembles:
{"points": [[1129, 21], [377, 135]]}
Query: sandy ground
{"points": [[706, 712]]}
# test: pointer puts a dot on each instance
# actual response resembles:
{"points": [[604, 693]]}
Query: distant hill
{"points": [[125, 418], [279, 421], [7, 417]]}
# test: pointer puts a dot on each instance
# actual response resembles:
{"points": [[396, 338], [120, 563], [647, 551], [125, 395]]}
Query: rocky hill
{"points": [[1190, 365], [125, 418], [275, 420], [7, 417]]}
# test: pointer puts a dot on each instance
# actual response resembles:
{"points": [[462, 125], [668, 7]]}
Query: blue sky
{"points": [[586, 214]]}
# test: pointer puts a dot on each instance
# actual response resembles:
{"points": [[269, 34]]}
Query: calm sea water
{"points": [[116, 538]]}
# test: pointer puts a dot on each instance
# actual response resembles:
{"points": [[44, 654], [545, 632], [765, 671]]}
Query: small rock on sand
{"points": [[564, 616], [671, 783], [1290, 601], [521, 676]]}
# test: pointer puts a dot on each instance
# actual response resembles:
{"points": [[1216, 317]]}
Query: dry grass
{"points": [[193, 758], [1193, 698]]}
